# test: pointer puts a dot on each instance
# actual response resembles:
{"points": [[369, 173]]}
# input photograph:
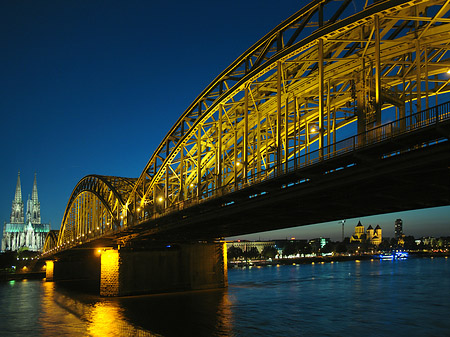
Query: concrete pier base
{"points": [[177, 267], [49, 265], [83, 265], [157, 269]]}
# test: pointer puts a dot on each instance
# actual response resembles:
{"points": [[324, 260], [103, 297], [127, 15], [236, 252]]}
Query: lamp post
{"points": [[342, 222]]}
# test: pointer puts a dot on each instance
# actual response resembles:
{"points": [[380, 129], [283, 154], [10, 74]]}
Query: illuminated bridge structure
{"points": [[338, 112]]}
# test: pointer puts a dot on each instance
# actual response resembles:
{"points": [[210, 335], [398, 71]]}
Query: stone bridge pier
{"points": [[158, 269]]}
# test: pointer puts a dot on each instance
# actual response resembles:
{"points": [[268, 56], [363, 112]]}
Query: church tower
{"points": [[370, 233], [34, 206], [378, 237], [17, 205]]}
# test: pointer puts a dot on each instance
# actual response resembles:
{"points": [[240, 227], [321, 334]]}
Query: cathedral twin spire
{"points": [[33, 205], [17, 205]]}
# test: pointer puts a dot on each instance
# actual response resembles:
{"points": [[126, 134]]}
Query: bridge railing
{"points": [[404, 125], [420, 120]]}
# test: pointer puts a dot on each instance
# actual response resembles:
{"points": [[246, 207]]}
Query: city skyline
{"points": [[93, 89], [418, 223]]}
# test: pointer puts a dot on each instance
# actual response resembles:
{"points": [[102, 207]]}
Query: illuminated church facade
{"points": [[25, 231], [372, 236]]}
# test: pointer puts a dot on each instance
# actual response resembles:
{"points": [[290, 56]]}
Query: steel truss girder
{"points": [[94, 207], [51, 241], [248, 114], [319, 77]]}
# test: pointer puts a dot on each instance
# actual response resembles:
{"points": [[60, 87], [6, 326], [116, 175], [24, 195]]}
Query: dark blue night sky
{"points": [[92, 87]]}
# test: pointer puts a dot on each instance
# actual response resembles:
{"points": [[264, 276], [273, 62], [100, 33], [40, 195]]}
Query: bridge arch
{"points": [[317, 78], [94, 208], [51, 241]]}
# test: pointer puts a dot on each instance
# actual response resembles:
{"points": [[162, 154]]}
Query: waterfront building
{"points": [[372, 236], [25, 231], [429, 241], [248, 245], [318, 243]]}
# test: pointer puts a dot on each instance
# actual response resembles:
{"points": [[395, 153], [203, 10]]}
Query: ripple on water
{"points": [[369, 298]]}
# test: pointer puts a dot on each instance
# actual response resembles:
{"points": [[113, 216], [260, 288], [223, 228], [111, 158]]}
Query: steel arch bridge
{"points": [[51, 240], [329, 72], [94, 209]]}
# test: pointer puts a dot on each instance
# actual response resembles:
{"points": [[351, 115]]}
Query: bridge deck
{"points": [[364, 175], [262, 146], [398, 172]]}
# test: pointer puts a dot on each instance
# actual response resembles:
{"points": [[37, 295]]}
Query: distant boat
{"points": [[393, 256], [386, 256]]}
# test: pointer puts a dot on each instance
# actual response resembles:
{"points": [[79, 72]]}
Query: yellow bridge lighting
{"points": [[302, 93]]}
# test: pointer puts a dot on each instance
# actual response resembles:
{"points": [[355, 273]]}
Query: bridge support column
{"points": [[80, 266], [109, 273], [49, 270], [177, 267]]}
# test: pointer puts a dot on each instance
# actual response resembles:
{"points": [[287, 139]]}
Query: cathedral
{"points": [[26, 231]]}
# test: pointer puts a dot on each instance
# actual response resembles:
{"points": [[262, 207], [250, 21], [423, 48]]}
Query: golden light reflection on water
{"points": [[98, 318], [224, 315], [37, 308], [54, 318], [106, 319], [70, 313]]}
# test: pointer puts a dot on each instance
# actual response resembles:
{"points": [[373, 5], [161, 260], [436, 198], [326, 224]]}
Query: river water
{"points": [[368, 298]]}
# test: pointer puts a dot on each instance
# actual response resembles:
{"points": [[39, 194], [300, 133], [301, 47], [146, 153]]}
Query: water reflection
{"points": [[59, 311], [341, 299], [107, 319], [202, 313]]}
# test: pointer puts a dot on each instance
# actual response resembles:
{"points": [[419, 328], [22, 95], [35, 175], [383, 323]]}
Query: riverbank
{"points": [[21, 276], [325, 259]]}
